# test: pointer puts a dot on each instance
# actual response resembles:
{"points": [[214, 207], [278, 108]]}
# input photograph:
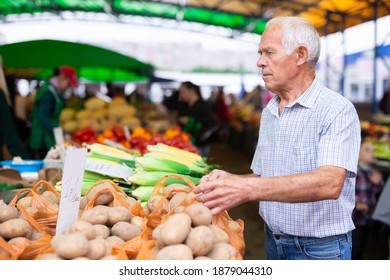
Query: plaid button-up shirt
{"points": [[320, 128]]}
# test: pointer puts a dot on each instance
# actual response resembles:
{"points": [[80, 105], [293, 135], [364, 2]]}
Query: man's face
{"points": [[278, 68]]}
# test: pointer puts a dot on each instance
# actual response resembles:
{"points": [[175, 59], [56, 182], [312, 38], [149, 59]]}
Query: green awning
{"points": [[38, 58]]}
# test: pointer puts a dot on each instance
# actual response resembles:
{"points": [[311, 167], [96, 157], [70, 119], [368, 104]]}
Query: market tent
{"points": [[328, 16], [38, 59]]}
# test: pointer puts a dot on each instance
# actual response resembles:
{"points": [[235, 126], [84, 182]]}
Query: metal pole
{"points": [[342, 82], [327, 50], [374, 101]]}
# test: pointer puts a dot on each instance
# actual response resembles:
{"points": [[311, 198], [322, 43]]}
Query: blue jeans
{"points": [[288, 247]]}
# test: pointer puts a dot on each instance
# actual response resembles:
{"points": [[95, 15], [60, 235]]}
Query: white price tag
{"points": [[72, 178], [127, 132], [112, 170], [58, 136]]}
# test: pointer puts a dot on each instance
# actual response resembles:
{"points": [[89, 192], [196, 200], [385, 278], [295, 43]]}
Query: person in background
{"points": [[10, 140], [198, 118], [174, 105], [48, 103], [305, 163], [254, 98], [369, 183], [384, 103]]}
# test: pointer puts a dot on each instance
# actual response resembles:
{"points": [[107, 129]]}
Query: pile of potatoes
{"points": [[105, 197], [14, 227], [188, 233], [94, 234], [99, 227]]}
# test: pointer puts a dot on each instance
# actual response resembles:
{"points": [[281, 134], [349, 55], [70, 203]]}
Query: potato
{"points": [[114, 240], [178, 199], [235, 226], [176, 229], [200, 214], [200, 240], [15, 228], [202, 258], [102, 231], [25, 201], [153, 201], [222, 251], [103, 198], [109, 258], [72, 246], [118, 214], [190, 197], [55, 241], [7, 213], [219, 234], [125, 230], [179, 209], [137, 221], [17, 240], [49, 257], [83, 227], [146, 210], [122, 195], [81, 259], [83, 202], [51, 197], [29, 210], [97, 249], [130, 201], [175, 252], [36, 235], [175, 186], [156, 235], [96, 215]]}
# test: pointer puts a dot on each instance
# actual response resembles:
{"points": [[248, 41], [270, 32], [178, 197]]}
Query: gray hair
{"points": [[297, 32]]}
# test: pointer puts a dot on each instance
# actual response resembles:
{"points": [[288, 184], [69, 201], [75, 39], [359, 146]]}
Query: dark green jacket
{"points": [[8, 133], [45, 116]]}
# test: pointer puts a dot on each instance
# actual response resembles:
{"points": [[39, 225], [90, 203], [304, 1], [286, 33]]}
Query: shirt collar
{"points": [[307, 99]]}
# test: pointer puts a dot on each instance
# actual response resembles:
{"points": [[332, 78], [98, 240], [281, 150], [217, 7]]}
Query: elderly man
{"points": [[305, 164]]}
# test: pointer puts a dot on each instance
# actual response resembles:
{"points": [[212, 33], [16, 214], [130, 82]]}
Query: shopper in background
{"points": [[48, 103], [384, 103], [9, 137], [198, 119], [369, 183], [305, 164]]}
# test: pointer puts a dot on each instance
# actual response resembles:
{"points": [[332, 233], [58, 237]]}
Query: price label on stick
{"points": [[72, 178], [58, 136]]}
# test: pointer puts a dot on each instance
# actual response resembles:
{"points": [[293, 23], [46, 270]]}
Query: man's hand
{"points": [[215, 174]]}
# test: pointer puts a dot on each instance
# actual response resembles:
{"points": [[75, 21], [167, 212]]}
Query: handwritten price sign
{"points": [[72, 178]]}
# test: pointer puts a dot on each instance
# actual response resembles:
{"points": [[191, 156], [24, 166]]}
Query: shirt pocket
{"points": [[304, 158]]}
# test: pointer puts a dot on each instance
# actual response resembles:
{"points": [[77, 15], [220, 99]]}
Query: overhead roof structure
{"points": [[328, 16]]}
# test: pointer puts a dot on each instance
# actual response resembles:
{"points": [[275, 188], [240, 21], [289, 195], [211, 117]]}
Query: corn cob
{"points": [[163, 148], [101, 149], [150, 178], [181, 160], [142, 193], [104, 152], [150, 163]]}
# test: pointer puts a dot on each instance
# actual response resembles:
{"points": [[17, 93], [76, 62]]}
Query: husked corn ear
{"points": [[104, 150], [150, 178], [142, 193], [159, 164], [170, 157], [161, 147]]}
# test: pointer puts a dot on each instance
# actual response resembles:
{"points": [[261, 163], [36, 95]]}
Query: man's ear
{"points": [[302, 54]]}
